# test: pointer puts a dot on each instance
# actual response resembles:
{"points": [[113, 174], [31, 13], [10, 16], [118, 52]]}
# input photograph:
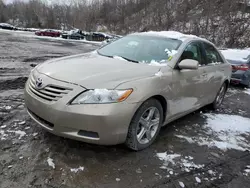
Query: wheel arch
{"points": [[163, 102], [227, 82]]}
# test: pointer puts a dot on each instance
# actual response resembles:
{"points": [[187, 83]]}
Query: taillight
{"points": [[243, 67]]}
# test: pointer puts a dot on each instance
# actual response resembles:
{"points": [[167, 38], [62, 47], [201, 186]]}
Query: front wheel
{"points": [[145, 125], [219, 97]]}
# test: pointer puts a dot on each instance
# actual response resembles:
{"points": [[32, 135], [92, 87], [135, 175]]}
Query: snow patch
{"points": [[224, 132], [198, 180], [51, 163], [117, 179], [22, 123], [119, 58], [184, 162], [167, 158], [3, 126], [3, 135], [171, 53], [170, 34], [247, 171], [181, 184], [35, 134], [159, 73], [155, 63], [247, 91], [20, 133], [7, 107], [75, 170], [236, 54]]}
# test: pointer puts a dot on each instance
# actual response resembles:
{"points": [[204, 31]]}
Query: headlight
{"points": [[102, 96]]}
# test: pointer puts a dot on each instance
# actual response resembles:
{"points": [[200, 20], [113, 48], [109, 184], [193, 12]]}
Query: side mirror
{"points": [[189, 64]]}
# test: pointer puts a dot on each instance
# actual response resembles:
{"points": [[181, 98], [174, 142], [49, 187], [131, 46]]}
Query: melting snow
{"points": [[120, 58], [185, 163], [171, 53], [247, 91], [3, 135], [155, 63], [224, 132], [35, 134], [159, 74], [181, 184], [167, 158], [21, 133], [118, 179], [198, 180], [170, 34], [51, 163], [21, 123], [75, 170], [7, 107], [189, 165], [211, 172], [247, 171], [236, 54]]}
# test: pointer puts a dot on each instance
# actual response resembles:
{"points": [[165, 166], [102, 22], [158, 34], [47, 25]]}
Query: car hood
{"points": [[94, 71]]}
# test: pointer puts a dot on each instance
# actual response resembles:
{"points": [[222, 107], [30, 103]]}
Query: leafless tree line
{"points": [[225, 22]]}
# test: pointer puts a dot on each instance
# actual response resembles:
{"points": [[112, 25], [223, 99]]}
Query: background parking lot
{"points": [[199, 150]]}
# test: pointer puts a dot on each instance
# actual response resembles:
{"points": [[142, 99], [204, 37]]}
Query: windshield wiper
{"points": [[127, 59]]}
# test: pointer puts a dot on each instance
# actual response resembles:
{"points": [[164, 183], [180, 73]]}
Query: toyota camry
{"points": [[125, 91]]}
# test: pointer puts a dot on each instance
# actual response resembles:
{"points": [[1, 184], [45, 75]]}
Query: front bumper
{"points": [[104, 124]]}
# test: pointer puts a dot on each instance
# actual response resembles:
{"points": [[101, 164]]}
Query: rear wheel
{"points": [[145, 125], [219, 97], [248, 85]]}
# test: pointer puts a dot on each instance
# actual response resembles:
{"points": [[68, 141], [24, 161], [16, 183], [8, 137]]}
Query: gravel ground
{"points": [[198, 150]]}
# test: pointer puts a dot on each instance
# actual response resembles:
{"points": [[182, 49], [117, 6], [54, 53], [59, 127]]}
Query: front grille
{"points": [[49, 92]]}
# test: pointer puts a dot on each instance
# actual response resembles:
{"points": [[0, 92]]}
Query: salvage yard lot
{"points": [[203, 149]]}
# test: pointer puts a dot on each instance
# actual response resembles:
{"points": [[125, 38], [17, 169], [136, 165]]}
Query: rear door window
{"points": [[212, 55]]}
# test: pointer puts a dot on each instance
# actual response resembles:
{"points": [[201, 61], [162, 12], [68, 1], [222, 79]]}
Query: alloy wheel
{"points": [[148, 125], [220, 95]]}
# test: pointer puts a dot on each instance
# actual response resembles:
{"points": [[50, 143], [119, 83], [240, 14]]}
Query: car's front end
{"points": [[61, 109], [93, 97]]}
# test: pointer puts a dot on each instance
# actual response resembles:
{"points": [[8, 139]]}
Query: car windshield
{"points": [[138, 48]]}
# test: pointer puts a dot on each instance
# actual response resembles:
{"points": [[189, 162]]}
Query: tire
{"points": [[248, 86], [219, 97], [151, 126]]}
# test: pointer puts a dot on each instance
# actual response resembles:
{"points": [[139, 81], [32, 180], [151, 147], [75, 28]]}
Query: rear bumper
{"points": [[104, 124], [240, 77]]}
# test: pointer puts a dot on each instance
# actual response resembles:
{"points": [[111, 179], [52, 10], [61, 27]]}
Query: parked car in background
{"points": [[48, 32], [7, 26], [114, 38], [98, 36], [127, 90], [240, 61], [74, 34]]}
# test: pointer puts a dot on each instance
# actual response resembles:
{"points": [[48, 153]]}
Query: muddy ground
{"points": [[28, 153]]}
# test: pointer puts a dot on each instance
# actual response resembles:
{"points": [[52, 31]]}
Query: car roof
{"points": [[172, 35]]}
